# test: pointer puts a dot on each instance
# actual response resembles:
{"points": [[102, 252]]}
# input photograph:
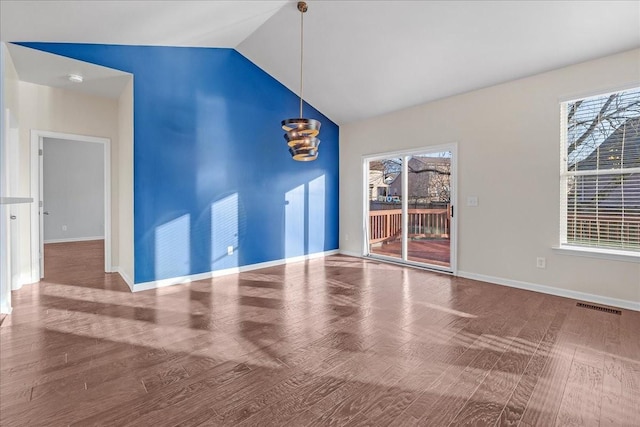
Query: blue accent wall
{"points": [[211, 166]]}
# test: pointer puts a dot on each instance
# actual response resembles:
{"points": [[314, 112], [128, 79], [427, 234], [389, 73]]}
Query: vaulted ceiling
{"points": [[362, 58]]}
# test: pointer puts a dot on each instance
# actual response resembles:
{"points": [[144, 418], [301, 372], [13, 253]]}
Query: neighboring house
{"points": [[605, 207], [429, 180], [377, 186], [620, 149]]}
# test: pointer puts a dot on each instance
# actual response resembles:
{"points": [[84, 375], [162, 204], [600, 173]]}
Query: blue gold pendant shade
{"points": [[301, 132]]}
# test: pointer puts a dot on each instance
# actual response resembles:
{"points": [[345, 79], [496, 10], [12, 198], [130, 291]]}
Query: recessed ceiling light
{"points": [[75, 78]]}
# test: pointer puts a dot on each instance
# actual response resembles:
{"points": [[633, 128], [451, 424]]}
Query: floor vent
{"points": [[600, 308]]}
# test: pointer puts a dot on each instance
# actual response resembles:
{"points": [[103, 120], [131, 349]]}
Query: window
{"points": [[600, 172]]}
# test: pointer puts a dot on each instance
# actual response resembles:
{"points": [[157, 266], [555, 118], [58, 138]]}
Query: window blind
{"points": [[600, 176]]}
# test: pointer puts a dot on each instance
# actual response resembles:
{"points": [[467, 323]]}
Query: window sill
{"points": [[600, 253]]}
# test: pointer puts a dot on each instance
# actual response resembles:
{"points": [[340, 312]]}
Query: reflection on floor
{"points": [[334, 341]]}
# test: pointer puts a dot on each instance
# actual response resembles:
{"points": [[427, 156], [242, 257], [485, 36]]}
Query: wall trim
{"points": [[125, 277], [155, 284], [5, 309], [577, 295], [350, 253], [599, 253], [74, 239], [23, 279]]}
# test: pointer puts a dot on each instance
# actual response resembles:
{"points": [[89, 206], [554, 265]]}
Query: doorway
{"points": [[74, 203], [409, 207]]}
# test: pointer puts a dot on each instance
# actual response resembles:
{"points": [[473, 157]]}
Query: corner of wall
{"points": [[125, 184], [127, 279]]}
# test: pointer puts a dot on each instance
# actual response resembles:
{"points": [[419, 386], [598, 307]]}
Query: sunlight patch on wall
{"points": [[224, 232], [173, 248], [294, 240], [316, 216]]}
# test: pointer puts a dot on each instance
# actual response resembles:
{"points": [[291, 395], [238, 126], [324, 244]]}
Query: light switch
{"points": [[472, 201]]}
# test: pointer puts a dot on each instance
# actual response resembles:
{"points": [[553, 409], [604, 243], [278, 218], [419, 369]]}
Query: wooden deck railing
{"points": [[386, 225], [604, 230]]}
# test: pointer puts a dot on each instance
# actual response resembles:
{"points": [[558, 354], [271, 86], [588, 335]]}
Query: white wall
{"points": [[51, 109], [124, 158], [509, 156], [73, 178], [9, 185], [5, 286], [8, 86], [10, 83]]}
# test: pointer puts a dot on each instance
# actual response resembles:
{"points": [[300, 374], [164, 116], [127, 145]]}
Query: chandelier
{"points": [[301, 132]]}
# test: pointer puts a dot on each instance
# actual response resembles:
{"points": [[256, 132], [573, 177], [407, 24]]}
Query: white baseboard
{"points": [[5, 309], [582, 296], [124, 276], [23, 279], [35, 274], [145, 286], [349, 253], [74, 239]]}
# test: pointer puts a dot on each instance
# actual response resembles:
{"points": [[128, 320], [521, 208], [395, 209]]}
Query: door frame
{"points": [[12, 177], [37, 227], [453, 238]]}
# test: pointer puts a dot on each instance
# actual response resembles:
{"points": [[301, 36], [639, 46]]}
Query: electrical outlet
{"points": [[541, 262], [64, 228], [229, 250], [472, 201], [346, 237]]}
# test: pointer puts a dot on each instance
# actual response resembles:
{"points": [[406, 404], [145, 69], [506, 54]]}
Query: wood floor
{"points": [[334, 341]]}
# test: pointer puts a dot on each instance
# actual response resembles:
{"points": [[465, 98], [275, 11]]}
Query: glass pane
{"points": [[604, 211], [385, 207], [429, 198], [603, 132]]}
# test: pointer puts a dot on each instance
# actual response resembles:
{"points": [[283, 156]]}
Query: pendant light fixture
{"points": [[301, 132]]}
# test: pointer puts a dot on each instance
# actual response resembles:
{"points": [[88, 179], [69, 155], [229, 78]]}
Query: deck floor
{"points": [[432, 251]]}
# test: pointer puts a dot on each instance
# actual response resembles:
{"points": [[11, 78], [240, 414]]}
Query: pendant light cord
{"points": [[301, 56]]}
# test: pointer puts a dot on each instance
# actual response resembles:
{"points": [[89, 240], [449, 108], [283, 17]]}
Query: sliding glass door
{"points": [[385, 207], [409, 209]]}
